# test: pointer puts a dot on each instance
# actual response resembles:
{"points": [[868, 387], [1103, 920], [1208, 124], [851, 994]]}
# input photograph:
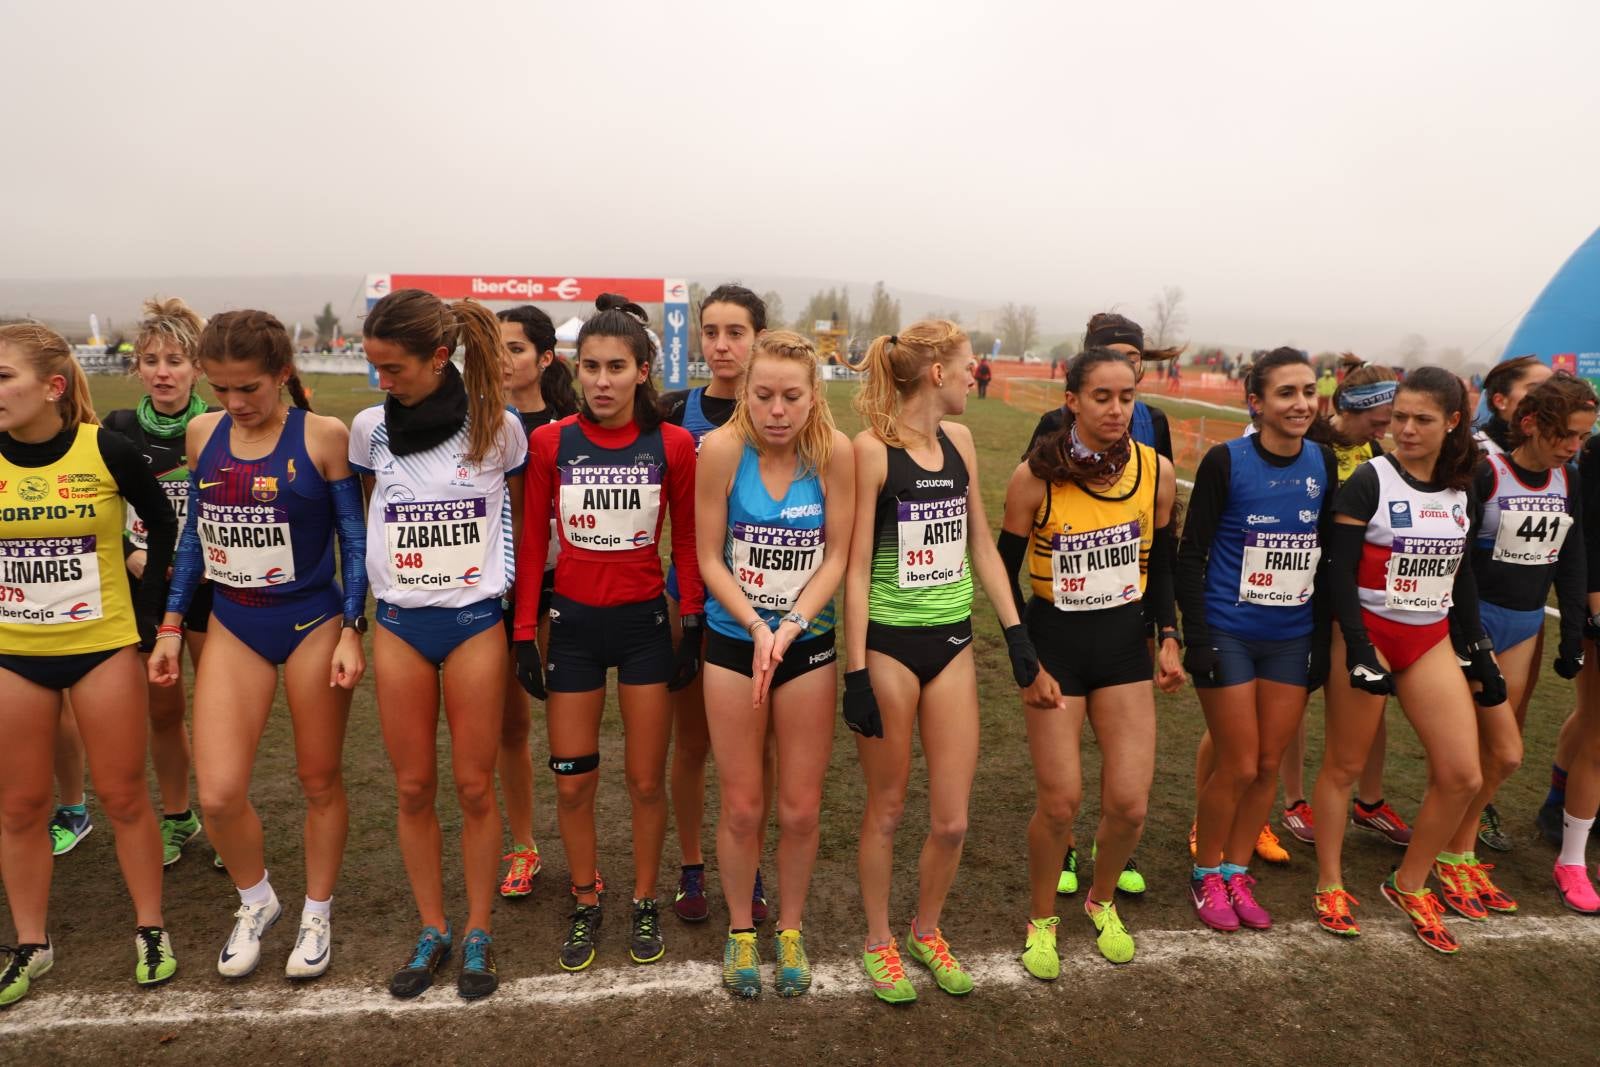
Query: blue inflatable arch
{"points": [[1563, 325]]}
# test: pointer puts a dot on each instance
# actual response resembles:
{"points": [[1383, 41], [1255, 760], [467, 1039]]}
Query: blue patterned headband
{"points": [[1361, 397]]}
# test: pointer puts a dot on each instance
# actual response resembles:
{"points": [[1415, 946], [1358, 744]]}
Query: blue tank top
{"points": [[1143, 429], [266, 525], [773, 547], [694, 417], [1264, 556]]}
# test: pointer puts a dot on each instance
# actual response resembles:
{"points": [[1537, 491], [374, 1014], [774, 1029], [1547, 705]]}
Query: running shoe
{"points": [[175, 833], [23, 964], [934, 953], [888, 974], [313, 948], [1550, 824], [154, 962], [1039, 954], [1209, 895], [1382, 820], [68, 828], [1426, 915], [242, 951], [1297, 820], [794, 969], [577, 951], [477, 978], [1268, 848], [741, 965], [1129, 880], [1572, 882], [216, 862], [1490, 895], [1460, 890], [524, 864], [1113, 939], [433, 948], [1067, 884], [1241, 894], [646, 945], [689, 903], [758, 901], [1194, 840], [1489, 831], [1333, 911]]}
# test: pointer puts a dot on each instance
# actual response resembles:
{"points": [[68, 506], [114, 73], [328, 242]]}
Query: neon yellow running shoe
{"points": [[1129, 880], [888, 974], [1039, 954], [1067, 883], [741, 966], [794, 970], [934, 954], [1116, 944]]}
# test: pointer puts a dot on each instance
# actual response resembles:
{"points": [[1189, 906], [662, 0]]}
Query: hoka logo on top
{"points": [[801, 511]]}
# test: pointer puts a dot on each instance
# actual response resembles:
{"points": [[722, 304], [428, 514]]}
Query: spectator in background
{"points": [[984, 373], [1327, 385]]}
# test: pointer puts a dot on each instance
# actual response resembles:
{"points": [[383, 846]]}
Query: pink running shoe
{"points": [[1210, 898], [1242, 898], [1572, 881]]}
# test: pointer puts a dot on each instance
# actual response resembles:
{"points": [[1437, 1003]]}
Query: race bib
{"points": [[774, 563], [1096, 568], [1421, 572], [610, 509], [436, 544], [933, 542], [49, 580], [246, 546], [177, 491], [1278, 568], [1532, 530]]}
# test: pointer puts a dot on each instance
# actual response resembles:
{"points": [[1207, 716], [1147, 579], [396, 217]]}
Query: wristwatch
{"points": [[358, 624], [1482, 644], [798, 619]]}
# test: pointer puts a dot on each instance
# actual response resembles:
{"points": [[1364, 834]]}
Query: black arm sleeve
{"points": [[1162, 429], [1343, 563], [1465, 625], [1204, 511], [1158, 582], [1572, 579], [118, 422], [672, 406], [140, 488], [1013, 552], [1321, 597], [1589, 487]]}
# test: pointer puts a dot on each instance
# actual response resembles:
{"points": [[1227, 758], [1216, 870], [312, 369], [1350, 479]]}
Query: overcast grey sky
{"points": [[1337, 173]]}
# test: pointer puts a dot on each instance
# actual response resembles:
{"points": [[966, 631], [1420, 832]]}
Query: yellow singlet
{"points": [[1091, 550], [63, 590], [1352, 456]]}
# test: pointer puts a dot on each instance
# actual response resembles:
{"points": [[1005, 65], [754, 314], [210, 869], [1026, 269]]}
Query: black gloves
{"points": [[1024, 659], [1201, 661], [1481, 667], [686, 660], [1318, 662], [1366, 673], [860, 706], [1569, 659], [530, 670]]}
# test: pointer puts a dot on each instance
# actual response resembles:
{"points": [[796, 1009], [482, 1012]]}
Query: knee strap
{"points": [[575, 764]]}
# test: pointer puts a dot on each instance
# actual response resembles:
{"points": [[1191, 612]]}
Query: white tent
{"points": [[567, 332]]}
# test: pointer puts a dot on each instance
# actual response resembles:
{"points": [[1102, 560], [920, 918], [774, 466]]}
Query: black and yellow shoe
{"points": [[577, 952], [646, 945]]}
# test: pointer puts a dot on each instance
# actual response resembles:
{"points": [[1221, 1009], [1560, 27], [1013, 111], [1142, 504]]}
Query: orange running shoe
{"points": [[1333, 909], [1268, 848], [1490, 895], [1426, 915], [524, 861], [1460, 891]]}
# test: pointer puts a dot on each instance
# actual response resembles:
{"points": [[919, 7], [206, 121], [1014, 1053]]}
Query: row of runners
{"points": [[463, 480]]}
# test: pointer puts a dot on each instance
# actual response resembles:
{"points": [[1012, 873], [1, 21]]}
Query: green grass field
{"points": [[1294, 993]]}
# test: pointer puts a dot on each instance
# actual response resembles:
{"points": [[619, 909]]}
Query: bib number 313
{"points": [[933, 542]]}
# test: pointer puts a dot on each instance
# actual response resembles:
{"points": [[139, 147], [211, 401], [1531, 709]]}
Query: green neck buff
{"points": [[156, 424]]}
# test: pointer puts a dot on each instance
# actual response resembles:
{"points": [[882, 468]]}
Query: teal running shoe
{"points": [[741, 965]]}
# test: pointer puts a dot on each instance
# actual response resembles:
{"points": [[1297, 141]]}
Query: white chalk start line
{"points": [[266, 999]]}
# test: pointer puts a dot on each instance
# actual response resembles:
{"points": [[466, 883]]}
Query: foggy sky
{"points": [[1330, 176]]}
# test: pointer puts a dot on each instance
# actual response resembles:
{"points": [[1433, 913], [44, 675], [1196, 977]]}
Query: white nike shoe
{"points": [[313, 949], [243, 950]]}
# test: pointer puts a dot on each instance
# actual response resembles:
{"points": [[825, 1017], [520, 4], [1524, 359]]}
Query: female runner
{"points": [[1395, 549], [1580, 791], [908, 630], [1531, 538], [731, 317], [540, 388], [604, 473], [1091, 511], [269, 486], [67, 625], [1246, 568], [168, 365], [441, 461], [774, 494]]}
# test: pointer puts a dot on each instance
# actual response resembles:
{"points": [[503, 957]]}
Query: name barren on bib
{"points": [[49, 580], [1421, 572]]}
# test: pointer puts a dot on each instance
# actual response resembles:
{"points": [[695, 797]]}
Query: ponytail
{"points": [[485, 359], [76, 404], [896, 368], [555, 385]]}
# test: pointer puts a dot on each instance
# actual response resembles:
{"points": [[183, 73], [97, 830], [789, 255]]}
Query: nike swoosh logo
{"points": [[319, 959], [226, 955], [207, 485], [308, 625]]}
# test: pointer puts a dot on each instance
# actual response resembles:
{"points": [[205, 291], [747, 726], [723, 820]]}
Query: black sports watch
{"points": [[358, 624]]}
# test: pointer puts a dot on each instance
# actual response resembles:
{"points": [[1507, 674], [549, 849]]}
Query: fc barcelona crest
{"points": [[264, 488]]}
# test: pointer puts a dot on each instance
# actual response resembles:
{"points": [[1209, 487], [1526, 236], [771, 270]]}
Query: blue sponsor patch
{"points": [[1399, 514]]}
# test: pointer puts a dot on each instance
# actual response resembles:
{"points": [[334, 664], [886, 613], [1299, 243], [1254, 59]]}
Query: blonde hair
{"points": [[48, 354], [171, 320], [896, 365], [814, 442]]}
